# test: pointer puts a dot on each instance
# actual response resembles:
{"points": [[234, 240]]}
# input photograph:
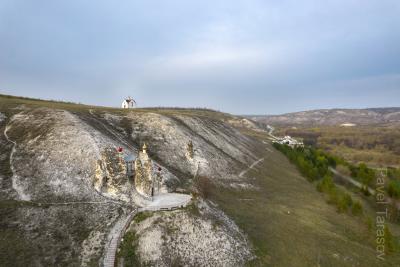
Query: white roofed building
{"points": [[287, 140], [129, 103]]}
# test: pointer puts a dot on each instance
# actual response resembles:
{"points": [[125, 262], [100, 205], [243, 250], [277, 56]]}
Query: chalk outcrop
{"points": [[110, 174], [189, 150], [198, 236], [70, 184], [144, 178]]}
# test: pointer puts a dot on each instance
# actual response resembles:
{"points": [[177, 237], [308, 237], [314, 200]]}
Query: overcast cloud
{"points": [[244, 57]]}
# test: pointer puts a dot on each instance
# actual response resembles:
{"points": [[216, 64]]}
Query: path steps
{"points": [[116, 235]]}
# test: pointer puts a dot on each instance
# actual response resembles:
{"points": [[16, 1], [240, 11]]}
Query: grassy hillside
{"points": [[291, 224]]}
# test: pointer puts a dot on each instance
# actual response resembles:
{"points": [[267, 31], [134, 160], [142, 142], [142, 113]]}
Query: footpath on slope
{"points": [[250, 167], [168, 201], [114, 238], [351, 180], [360, 186], [15, 185]]}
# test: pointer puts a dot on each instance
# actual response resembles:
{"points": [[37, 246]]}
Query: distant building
{"points": [[287, 140], [129, 103], [348, 125]]}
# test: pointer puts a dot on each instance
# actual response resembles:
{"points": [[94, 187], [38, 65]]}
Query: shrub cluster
{"points": [[203, 186], [362, 173], [314, 165], [337, 197], [393, 188], [393, 173], [128, 250]]}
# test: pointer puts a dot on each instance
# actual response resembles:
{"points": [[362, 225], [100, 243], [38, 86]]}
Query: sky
{"points": [[242, 57]]}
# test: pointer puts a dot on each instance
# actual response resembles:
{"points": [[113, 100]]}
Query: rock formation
{"points": [[189, 150], [144, 180], [110, 171], [72, 160]]}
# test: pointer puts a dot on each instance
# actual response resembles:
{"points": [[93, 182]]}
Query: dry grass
{"points": [[291, 224]]}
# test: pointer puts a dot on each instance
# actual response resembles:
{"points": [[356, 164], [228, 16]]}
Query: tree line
{"points": [[314, 165]]}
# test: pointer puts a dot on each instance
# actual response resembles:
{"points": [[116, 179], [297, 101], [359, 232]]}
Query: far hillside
{"points": [[331, 117], [371, 135]]}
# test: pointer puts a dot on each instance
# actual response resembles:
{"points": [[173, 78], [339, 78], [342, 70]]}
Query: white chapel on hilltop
{"points": [[129, 103]]}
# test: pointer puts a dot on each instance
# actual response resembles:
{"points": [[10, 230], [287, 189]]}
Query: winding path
{"points": [[15, 186], [114, 239], [169, 201], [351, 180], [75, 203], [13, 148], [6, 136], [359, 185], [250, 167]]}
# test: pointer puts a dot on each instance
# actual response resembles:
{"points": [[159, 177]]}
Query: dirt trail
{"points": [[114, 238], [168, 201], [359, 185], [250, 167], [351, 180], [18, 189]]}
